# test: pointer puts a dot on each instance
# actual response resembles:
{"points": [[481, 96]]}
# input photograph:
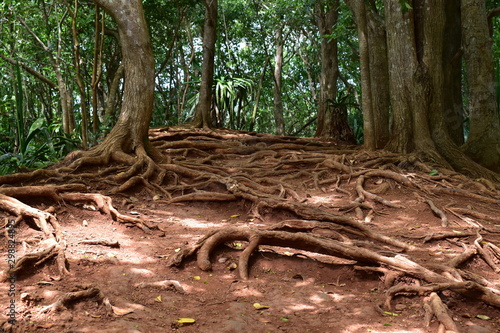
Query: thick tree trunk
{"points": [[402, 64], [379, 77], [483, 145], [332, 117], [452, 70], [202, 116], [278, 68], [131, 129]]}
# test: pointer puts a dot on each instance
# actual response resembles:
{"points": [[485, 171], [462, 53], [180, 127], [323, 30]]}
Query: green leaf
{"points": [[433, 173]]}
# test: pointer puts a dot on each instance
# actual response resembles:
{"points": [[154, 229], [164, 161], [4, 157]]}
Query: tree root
{"points": [[202, 167], [65, 300], [86, 292], [343, 248], [54, 243], [435, 307]]}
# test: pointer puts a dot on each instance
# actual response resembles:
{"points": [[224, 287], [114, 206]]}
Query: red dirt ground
{"points": [[303, 293]]}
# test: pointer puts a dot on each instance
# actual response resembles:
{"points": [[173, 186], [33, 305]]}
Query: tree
{"points": [[332, 115], [202, 116], [130, 133], [483, 144], [417, 59], [374, 72]]}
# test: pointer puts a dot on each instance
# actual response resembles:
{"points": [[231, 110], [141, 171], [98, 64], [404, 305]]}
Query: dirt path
{"points": [[287, 290]]}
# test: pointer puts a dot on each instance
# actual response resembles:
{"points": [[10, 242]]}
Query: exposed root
{"points": [[165, 284], [54, 243], [86, 292], [441, 279], [65, 300], [440, 310]]}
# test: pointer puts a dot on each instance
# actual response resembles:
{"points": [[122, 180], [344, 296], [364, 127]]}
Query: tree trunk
{"points": [[130, 132], [79, 79], [379, 77], [202, 116], [332, 116], [278, 68], [374, 74], [483, 145], [452, 69]]}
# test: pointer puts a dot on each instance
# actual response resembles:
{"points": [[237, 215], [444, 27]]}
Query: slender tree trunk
{"points": [[358, 7], [374, 74], [97, 69], [278, 68], [202, 116], [332, 117], [79, 81], [113, 93], [483, 144], [257, 97]]}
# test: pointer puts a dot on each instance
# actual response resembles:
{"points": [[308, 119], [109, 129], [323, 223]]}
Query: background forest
{"points": [[62, 77]]}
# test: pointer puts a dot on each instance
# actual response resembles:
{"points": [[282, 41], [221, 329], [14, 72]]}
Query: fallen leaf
{"points": [[433, 173], [186, 320], [158, 299], [121, 312], [391, 314], [259, 306], [235, 215], [197, 278], [483, 317], [177, 249], [284, 319]]}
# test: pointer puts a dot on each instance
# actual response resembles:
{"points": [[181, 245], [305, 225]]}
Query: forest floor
{"points": [[287, 290]]}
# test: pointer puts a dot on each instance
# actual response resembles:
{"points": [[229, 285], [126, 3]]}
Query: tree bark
{"points": [[202, 116], [452, 69], [483, 144]]}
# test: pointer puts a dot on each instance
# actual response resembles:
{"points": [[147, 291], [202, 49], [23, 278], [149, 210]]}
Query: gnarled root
{"points": [[439, 279]]}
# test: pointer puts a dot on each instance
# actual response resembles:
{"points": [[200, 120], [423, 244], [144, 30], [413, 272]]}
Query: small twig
{"points": [[103, 242]]}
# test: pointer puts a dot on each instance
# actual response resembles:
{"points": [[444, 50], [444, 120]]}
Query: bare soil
{"points": [[287, 290]]}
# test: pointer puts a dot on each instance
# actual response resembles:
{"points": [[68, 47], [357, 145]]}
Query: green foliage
{"points": [[35, 146], [405, 6]]}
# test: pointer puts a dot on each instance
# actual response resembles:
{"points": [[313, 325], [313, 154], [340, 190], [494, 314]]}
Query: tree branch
{"points": [[30, 70]]}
